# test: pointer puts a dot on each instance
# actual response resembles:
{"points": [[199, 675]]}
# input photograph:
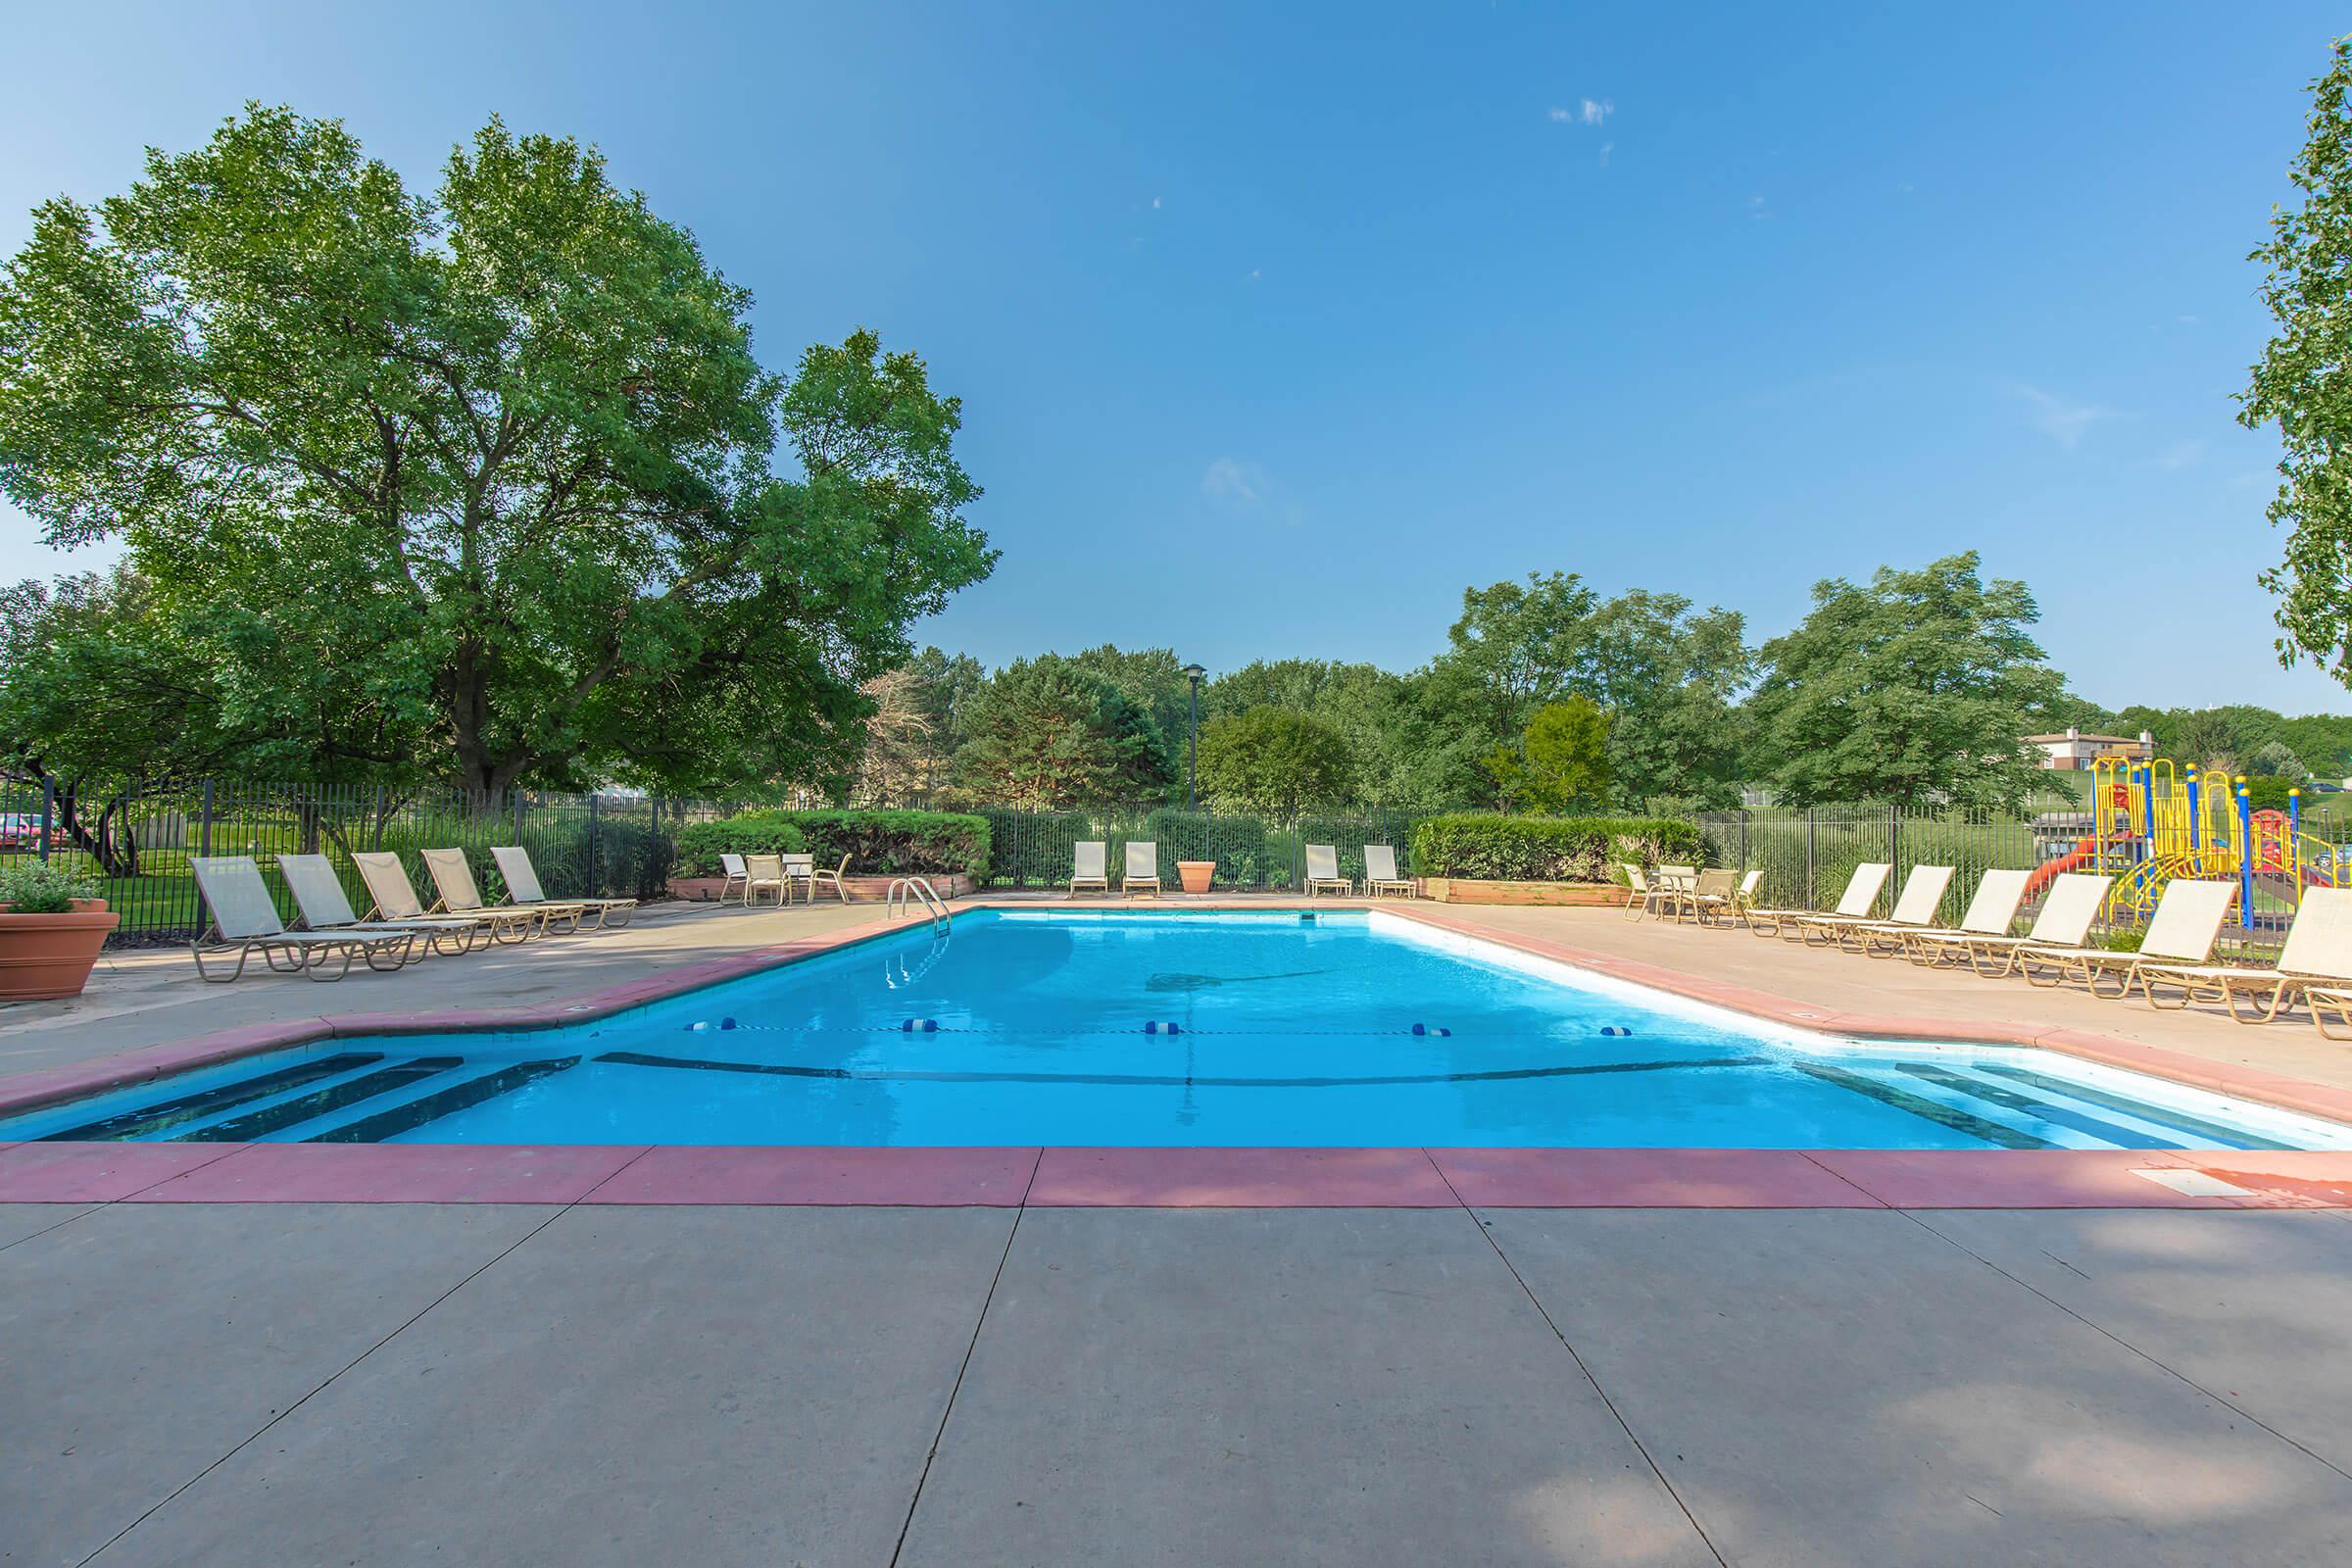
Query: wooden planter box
{"points": [[1575, 895], [704, 889], [47, 957]]}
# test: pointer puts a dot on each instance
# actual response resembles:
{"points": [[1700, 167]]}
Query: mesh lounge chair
{"points": [[737, 873], [244, 920], [1990, 914], [1090, 867], [1862, 891], [1915, 910], [2064, 921], [762, 872], [800, 870], [522, 887], [1743, 896], [2317, 960], [1380, 872], [319, 894], [1323, 873], [453, 879], [396, 901], [1143, 868], [2188, 917], [822, 878]]}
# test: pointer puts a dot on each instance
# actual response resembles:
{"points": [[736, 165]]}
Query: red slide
{"points": [[2049, 870]]}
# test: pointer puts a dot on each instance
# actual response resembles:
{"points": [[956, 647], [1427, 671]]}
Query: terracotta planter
{"points": [[1576, 895], [46, 956], [1194, 874]]}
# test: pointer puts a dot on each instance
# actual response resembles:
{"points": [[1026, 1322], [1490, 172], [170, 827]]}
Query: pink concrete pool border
{"points": [[1160, 1178]]}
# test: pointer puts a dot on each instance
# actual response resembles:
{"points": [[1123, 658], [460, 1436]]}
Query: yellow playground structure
{"points": [[2151, 822]]}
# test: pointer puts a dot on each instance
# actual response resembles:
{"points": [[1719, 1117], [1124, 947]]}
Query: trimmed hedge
{"points": [[1550, 849], [890, 843], [696, 848]]}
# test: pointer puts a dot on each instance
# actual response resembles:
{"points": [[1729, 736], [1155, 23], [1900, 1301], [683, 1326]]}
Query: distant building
{"points": [[2074, 751]]}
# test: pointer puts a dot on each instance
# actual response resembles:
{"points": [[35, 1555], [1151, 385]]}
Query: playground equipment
{"points": [[2151, 822]]}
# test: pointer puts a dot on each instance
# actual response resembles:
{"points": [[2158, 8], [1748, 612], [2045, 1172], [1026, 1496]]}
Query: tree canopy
{"points": [[1273, 761], [500, 458], [1048, 734]]}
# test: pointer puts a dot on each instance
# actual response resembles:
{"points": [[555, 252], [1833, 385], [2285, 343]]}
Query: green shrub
{"points": [[1549, 849], [696, 848], [1238, 843], [38, 887], [886, 843]]}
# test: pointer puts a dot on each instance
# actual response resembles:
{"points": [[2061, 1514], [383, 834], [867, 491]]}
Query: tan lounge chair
{"points": [[1380, 873], [760, 873], [822, 878], [1089, 861], [2316, 958], [1915, 910], [243, 918], [1743, 896], [522, 887], [319, 894], [1990, 914], [1862, 891], [1143, 868], [2064, 921], [453, 879], [1323, 873], [2188, 917], [396, 900]]}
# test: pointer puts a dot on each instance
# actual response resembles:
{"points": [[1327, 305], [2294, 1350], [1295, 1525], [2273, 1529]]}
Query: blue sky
{"points": [[1278, 325]]}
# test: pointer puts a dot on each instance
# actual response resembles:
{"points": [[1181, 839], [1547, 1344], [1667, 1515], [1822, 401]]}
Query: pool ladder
{"points": [[914, 889]]}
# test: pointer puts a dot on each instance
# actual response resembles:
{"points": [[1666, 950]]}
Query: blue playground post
{"points": [[2195, 826], [2147, 807], [2245, 858]]}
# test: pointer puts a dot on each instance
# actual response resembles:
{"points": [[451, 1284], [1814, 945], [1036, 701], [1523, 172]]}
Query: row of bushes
{"points": [[878, 842], [1550, 849], [1035, 849]]}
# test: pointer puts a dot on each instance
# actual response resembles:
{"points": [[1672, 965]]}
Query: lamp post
{"points": [[1192, 749]]}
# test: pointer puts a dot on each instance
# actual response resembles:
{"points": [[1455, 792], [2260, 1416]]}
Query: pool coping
{"points": [[1065, 1177]]}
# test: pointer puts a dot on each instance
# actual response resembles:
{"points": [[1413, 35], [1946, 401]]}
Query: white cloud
{"points": [[2182, 456], [1155, 203], [1606, 148], [1230, 483], [2063, 423], [1563, 116], [1588, 112]]}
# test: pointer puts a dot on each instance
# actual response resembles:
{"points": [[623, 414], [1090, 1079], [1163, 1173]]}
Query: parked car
{"points": [[20, 830]]}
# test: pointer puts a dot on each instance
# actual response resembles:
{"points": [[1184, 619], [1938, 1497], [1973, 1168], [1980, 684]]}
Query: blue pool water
{"points": [[1026, 1028]]}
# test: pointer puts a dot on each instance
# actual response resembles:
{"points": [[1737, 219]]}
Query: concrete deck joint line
{"points": [[264, 1429], [972, 1345], [1631, 1436], [2169, 1370]]}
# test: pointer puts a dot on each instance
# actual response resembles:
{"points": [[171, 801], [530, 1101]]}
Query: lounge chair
{"points": [[319, 894], [760, 872], [2188, 917], [396, 900], [243, 918], [822, 878], [1990, 914], [736, 873], [2073, 902], [1380, 872], [2317, 960], [1090, 867], [1323, 873], [1143, 868], [1743, 896], [522, 887], [1862, 891], [452, 881], [1915, 910]]}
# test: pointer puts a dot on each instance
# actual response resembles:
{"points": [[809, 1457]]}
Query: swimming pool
{"points": [[1119, 1028]]}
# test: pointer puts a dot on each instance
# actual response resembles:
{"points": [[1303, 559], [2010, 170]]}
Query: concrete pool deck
{"points": [[1018, 1357]]}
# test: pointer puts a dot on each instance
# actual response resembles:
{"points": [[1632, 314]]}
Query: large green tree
{"points": [[1914, 688], [1561, 764], [2303, 382], [1275, 762], [1048, 734], [501, 456]]}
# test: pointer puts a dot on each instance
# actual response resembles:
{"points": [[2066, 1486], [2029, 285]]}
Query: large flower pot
{"points": [[1194, 874], [45, 956]]}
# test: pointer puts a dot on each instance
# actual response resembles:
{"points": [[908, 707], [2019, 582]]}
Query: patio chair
{"points": [[1675, 885], [823, 878], [1990, 914], [1638, 892], [1380, 873], [2072, 904], [762, 872], [736, 872], [396, 900], [1323, 873], [522, 887], [1710, 897], [800, 870], [243, 918], [1914, 910], [1143, 868], [2316, 964], [2187, 920], [1090, 867], [453, 880], [325, 907], [1862, 891], [1743, 896]]}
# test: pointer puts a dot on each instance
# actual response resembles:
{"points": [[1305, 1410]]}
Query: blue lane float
{"points": [[1431, 1029], [1156, 1027], [1617, 1029], [920, 1026]]}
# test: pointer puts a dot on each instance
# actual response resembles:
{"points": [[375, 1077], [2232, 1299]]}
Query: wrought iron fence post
{"points": [[595, 828], [1808, 900], [519, 814], [48, 813], [204, 830]]}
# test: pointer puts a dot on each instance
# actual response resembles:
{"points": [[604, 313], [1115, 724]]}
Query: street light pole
{"points": [[1191, 750]]}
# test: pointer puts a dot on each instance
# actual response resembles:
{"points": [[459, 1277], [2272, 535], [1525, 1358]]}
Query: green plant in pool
{"points": [[41, 888]]}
